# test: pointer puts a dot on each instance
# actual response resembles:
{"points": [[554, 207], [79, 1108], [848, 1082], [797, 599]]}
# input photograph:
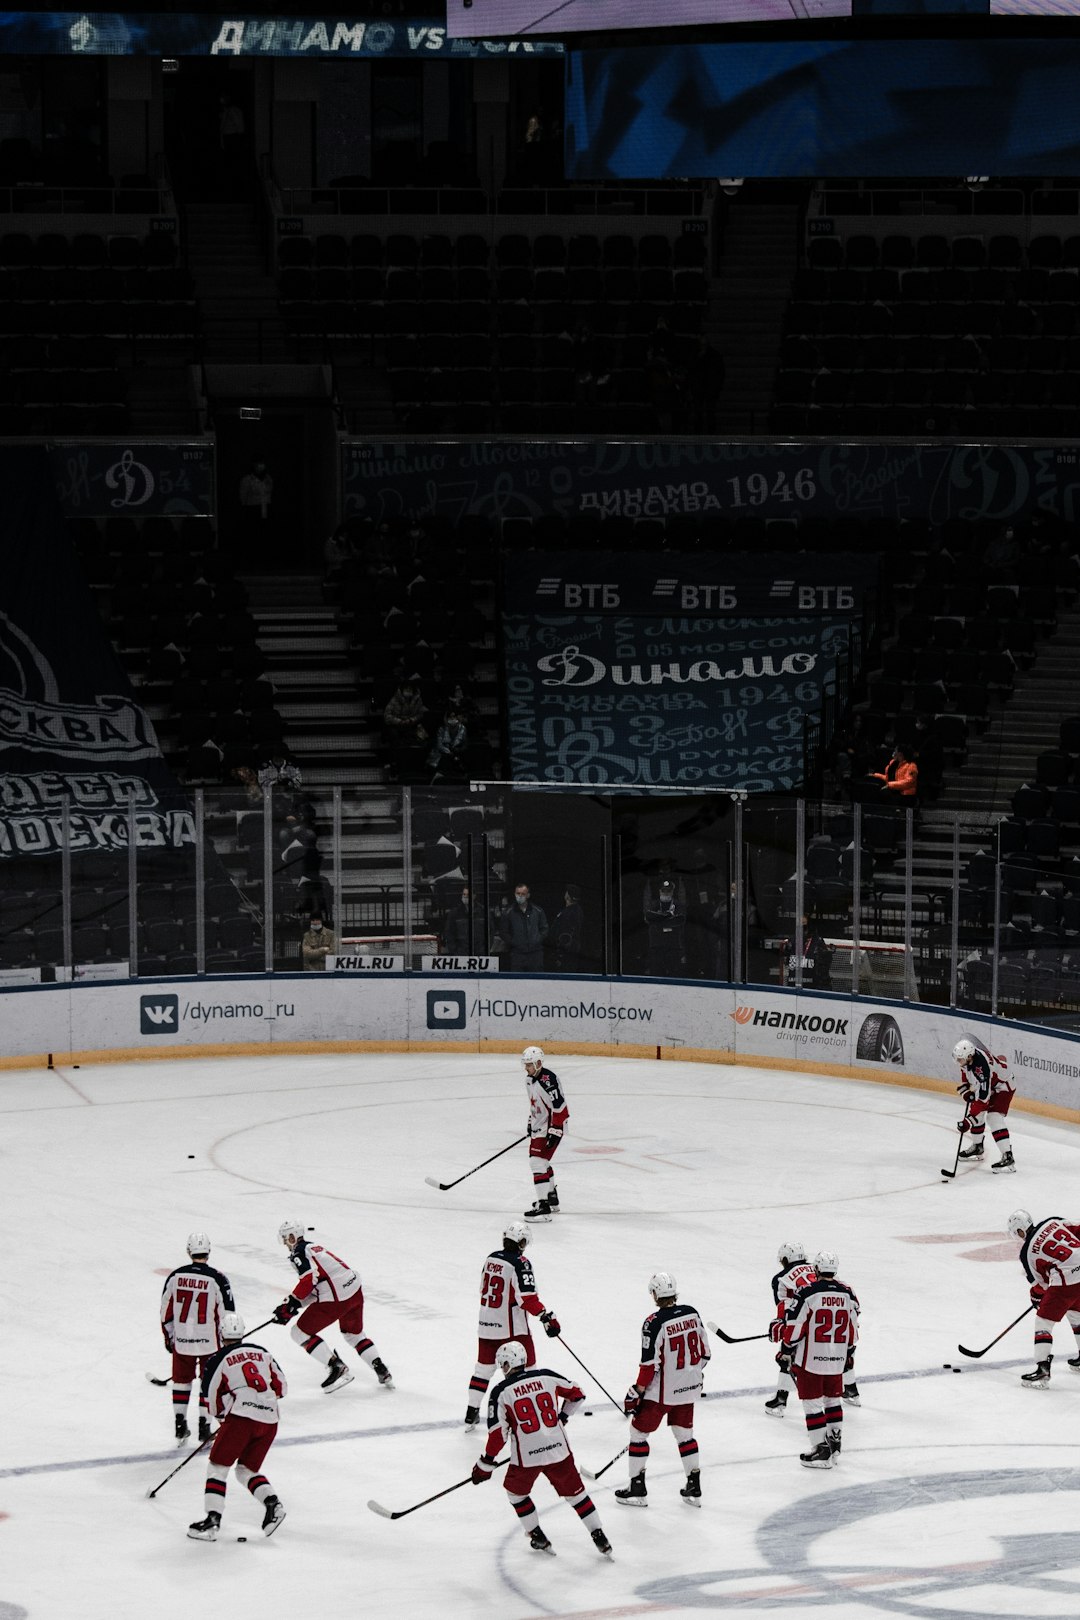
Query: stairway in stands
{"points": [[327, 731], [1027, 726], [746, 309], [238, 306]]}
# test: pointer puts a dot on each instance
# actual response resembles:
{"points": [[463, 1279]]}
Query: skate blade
{"points": [[1006, 1170], [851, 1400], [632, 1501], [339, 1383], [202, 1535], [690, 1501], [817, 1463], [776, 1411], [549, 1550], [537, 1220], [275, 1523]]}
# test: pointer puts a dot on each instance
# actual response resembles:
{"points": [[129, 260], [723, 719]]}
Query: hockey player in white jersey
{"points": [[328, 1290], [1050, 1257], [193, 1301], [548, 1116], [987, 1097], [527, 1410], [508, 1299], [822, 1328], [674, 1354], [243, 1385], [795, 1273]]}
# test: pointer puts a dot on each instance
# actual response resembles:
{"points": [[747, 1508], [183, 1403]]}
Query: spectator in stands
{"points": [[296, 840], [403, 720], [523, 929], [1002, 555], [570, 933], [456, 930], [339, 551], [816, 958], [666, 920], [245, 776], [279, 772], [448, 752], [256, 495], [319, 943], [900, 776]]}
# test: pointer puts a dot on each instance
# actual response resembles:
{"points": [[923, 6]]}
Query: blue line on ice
{"points": [[450, 1423]]}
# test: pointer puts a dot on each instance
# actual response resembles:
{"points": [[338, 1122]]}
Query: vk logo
{"points": [[446, 1009], [159, 1015]]}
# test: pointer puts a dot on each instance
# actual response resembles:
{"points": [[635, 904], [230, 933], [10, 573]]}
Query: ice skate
{"points": [[851, 1394], [975, 1151], [539, 1542], [472, 1416], [205, 1529], [183, 1433], [205, 1431], [635, 1494], [338, 1376], [691, 1491], [601, 1543], [273, 1516], [1074, 1363], [1040, 1378], [1005, 1166], [382, 1373], [834, 1447], [820, 1457], [540, 1211], [553, 1201], [777, 1407]]}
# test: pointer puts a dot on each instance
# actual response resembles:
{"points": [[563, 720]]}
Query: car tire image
{"points": [[879, 1040]]}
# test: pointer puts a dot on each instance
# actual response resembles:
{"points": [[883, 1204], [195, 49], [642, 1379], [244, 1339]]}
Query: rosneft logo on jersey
{"points": [[159, 1015]]}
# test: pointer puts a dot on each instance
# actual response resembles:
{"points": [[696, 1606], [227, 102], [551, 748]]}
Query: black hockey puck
{"points": [[191, 1155], [947, 1365], [241, 1538], [958, 1369]]}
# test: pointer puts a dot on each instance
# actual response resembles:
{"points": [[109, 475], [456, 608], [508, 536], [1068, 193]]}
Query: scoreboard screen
{"points": [[493, 18]]}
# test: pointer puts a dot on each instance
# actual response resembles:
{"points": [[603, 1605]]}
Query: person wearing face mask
{"points": [[523, 929], [319, 943]]}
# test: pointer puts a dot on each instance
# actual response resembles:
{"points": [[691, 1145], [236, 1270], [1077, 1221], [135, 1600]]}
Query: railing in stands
{"points": [[588, 202], [908, 203], [33, 198]]}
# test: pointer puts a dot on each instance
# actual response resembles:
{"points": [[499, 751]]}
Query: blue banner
{"points": [[101, 33], [70, 728], [871, 482]]}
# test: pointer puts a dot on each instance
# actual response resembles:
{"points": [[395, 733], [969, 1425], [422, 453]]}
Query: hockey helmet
{"points": [[515, 1232], [788, 1253], [232, 1326], [290, 1229], [198, 1243], [1019, 1223], [531, 1055], [825, 1263], [964, 1051], [662, 1285], [510, 1356]]}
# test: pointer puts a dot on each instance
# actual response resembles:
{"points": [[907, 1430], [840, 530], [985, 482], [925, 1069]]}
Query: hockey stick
{"points": [[445, 1186], [201, 1447], [746, 1339], [587, 1474], [403, 1513], [166, 1383], [616, 1404], [975, 1354], [948, 1175]]}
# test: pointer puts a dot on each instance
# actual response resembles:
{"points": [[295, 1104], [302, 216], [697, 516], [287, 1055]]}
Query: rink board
{"points": [[812, 1031]]}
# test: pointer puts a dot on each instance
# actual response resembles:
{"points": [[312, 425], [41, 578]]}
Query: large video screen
{"points": [[494, 18], [856, 107]]}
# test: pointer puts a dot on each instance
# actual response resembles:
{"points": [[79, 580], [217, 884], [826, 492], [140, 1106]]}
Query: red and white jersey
{"points": [[1051, 1255], [547, 1105], [822, 1325], [791, 1281], [525, 1410], [674, 1354], [323, 1276], [507, 1296], [246, 1382], [192, 1303]]}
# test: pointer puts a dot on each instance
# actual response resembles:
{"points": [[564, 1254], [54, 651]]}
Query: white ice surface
{"points": [[952, 1498]]}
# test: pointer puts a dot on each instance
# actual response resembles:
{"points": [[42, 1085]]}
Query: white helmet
{"points": [[826, 1264], [532, 1054], [515, 1232], [510, 1356], [1019, 1223], [964, 1051], [232, 1325], [198, 1243], [788, 1253], [662, 1286], [290, 1229]]}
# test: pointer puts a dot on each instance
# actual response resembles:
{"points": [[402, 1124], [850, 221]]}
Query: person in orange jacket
{"points": [[901, 774]]}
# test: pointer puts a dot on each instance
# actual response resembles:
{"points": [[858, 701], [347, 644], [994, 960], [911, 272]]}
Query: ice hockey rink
{"points": [[956, 1496]]}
